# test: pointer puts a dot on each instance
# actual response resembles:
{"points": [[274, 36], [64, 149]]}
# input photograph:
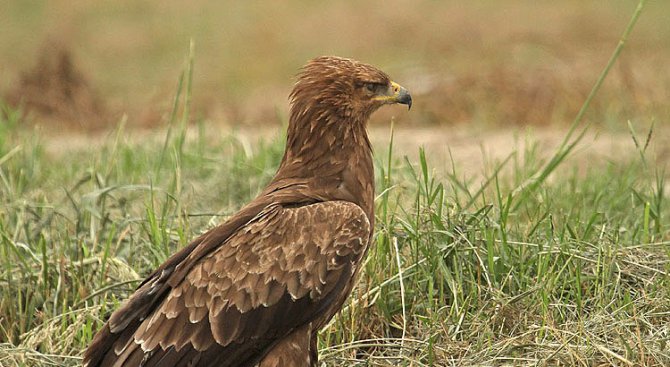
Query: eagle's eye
{"points": [[375, 88]]}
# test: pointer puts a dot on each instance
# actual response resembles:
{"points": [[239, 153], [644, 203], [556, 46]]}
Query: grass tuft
{"points": [[483, 270]]}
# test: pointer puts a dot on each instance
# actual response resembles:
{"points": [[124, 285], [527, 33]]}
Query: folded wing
{"points": [[286, 267]]}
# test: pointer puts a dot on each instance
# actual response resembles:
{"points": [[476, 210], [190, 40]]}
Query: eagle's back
{"points": [[287, 269]]}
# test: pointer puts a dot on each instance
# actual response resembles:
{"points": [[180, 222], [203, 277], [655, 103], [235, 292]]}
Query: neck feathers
{"points": [[330, 155]]}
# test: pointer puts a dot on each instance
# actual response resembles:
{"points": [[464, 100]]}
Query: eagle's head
{"points": [[334, 89]]}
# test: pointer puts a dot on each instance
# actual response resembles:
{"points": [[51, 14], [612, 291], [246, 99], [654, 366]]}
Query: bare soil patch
{"points": [[473, 151]]}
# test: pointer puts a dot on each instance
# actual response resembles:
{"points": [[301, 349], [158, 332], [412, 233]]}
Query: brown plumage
{"points": [[256, 289]]}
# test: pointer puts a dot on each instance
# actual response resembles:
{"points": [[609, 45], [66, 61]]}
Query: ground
{"points": [[496, 245]]}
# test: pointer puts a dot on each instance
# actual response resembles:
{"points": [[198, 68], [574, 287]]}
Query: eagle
{"points": [[256, 289]]}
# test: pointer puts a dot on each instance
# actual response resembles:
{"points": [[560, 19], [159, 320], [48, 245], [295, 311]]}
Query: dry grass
{"points": [[472, 267]]}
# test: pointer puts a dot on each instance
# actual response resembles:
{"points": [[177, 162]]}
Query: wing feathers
{"points": [[285, 268]]}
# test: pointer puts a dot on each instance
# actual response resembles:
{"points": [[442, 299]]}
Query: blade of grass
{"points": [[567, 145], [186, 76]]}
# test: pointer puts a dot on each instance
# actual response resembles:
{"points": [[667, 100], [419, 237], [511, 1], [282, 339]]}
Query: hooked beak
{"points": [[401, 95], [396, 94]]}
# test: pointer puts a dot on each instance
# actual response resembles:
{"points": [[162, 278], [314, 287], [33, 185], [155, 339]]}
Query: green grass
{"points": [[536, 261], [464, 271]]}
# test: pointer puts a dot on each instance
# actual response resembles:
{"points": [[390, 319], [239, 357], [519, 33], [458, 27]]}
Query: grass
{"points": [[536, 261], [464, 271]]}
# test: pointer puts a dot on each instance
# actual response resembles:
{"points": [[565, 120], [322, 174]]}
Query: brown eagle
{"points": [[255, 290]]}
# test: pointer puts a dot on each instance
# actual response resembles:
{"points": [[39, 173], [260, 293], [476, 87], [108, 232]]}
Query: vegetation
{"points": [[464, 271], [536, 260]]}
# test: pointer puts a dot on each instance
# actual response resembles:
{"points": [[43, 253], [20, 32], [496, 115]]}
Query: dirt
{"points": [[473, 151]]}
